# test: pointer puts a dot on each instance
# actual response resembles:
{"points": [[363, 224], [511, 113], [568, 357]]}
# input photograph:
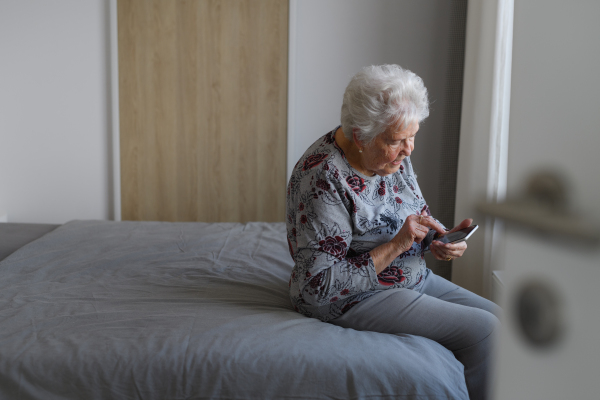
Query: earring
{"points": [[360, 150]]}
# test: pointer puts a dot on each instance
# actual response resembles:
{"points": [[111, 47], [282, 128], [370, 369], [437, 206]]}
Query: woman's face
{"points": [[385, 153]]}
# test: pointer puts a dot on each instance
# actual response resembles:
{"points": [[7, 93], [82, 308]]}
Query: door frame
{"points": [[113, 99], [483, 149]]}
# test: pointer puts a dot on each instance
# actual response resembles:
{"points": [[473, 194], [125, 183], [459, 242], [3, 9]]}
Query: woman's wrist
{"points": [[402, 245], [384, 254]]}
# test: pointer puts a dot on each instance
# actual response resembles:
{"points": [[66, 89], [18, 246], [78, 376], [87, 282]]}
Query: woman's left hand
{"points": [[450, 251]]}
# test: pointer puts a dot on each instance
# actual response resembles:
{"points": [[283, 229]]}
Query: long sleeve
{"points": [[328, 269], [335, 217]]}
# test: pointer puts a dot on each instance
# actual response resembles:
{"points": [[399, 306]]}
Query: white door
{"points": [[554, 126]]}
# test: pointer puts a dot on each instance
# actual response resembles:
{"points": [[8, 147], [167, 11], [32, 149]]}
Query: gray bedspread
{"points": [[149, 310]]}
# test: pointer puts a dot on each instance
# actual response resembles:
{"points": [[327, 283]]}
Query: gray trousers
{"points": [[458, 319]]}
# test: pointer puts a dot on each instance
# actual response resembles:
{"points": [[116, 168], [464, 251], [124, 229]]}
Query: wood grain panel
{"points": [[203, 109]]}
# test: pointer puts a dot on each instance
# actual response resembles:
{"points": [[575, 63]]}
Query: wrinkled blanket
{"points": [[151, 310]]}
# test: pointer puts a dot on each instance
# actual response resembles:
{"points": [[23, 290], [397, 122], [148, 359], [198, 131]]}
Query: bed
{"points": [[156, 310]]}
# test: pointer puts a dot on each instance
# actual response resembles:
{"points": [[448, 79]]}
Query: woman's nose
{"points": [[407, 149]]}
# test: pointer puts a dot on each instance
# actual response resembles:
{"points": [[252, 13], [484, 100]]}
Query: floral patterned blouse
{"points": [[335, 216]]}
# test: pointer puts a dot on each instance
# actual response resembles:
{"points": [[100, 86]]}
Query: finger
{"points": [[437, 253], [430, 222], [448, 256], [456, 252], [458, 246], [447, 249], [420, 232], [435, 247], [451, 251], [419, 218]]}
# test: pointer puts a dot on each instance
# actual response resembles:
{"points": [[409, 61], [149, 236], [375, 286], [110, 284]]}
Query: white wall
{"points": [[334, 39], [55, 139], [54, 122]]}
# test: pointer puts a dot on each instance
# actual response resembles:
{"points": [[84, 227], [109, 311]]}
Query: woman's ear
{"points": [[357, 141]]}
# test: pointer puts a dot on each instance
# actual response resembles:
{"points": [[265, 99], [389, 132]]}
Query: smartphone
{"points": [[458, 236], [454, 237]]}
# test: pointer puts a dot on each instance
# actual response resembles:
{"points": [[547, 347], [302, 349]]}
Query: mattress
{"points": [[13, 236], [155, 310]]}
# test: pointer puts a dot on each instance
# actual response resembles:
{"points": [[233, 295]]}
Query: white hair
{"points": [[383, 96]]}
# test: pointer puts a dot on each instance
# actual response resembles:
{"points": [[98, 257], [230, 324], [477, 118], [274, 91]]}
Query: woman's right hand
{"points": [[415, 229]]}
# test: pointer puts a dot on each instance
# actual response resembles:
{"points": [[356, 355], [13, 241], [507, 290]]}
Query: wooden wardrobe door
{"points": [[203, 109]]}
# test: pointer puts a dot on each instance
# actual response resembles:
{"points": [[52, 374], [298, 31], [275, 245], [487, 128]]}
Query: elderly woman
{"points": [[357, 228]]}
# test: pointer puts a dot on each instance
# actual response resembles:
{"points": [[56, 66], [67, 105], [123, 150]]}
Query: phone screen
{"points": [[458, 236]]}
